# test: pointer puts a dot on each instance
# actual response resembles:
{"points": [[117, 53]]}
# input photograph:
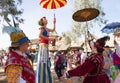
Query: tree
{"points": [[67, 39], [79, 29], [10, 13]]}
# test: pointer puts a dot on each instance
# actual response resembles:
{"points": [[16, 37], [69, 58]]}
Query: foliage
{"points": [[67, 39], [10, 13], [79, 29]]}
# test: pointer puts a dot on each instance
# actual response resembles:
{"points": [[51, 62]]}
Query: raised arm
{"points": [[54, 25]]}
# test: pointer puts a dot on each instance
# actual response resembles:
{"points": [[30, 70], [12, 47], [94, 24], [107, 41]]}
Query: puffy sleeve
{"points": [[13, 73], [88, 66], [83, 69]]}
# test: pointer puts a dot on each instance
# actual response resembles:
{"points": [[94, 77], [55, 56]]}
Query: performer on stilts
{"points": [[43, 72]]}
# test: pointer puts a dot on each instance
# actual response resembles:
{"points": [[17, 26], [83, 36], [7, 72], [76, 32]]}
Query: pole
{"points": [[86, 40]]}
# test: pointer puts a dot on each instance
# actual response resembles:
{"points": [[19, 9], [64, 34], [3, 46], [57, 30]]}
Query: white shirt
{"points": [[117, 47], [83, 57]]}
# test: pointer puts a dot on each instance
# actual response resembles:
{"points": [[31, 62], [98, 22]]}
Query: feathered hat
{"points": [[17, 36], [99, 44]]}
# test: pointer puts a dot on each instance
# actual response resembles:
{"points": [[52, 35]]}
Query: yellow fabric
{"points": [[16, 36], [43, 44], [13, 73], [50, 4]]}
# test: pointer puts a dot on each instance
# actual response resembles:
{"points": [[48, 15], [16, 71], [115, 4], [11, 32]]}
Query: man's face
{"points": [[80, 51], [24, 47]]}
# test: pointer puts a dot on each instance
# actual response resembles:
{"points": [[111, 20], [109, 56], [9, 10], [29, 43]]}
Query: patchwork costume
{"points": [[18, 68]]}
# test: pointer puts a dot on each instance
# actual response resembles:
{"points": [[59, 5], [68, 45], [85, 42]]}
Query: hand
{"points": [[51, 39]]}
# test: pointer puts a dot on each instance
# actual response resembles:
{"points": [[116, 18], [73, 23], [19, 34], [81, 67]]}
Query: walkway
{"points": [[3, 78]]}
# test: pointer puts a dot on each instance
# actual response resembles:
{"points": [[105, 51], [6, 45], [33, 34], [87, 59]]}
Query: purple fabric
{"points": [[116, 59], [59, 59]]}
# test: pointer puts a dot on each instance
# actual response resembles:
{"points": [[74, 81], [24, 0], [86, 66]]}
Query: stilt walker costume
{"points": [[43, 73]]}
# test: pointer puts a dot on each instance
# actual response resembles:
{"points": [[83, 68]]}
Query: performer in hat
{"points": [[43, 73], [93, 66], [18, 68]]}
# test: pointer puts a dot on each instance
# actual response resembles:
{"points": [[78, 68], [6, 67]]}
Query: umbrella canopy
{"points": [[52, 4], [86, 14], [111, 27]]}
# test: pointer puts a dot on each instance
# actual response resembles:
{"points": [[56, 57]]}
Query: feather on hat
{"points": [[17, 36]]}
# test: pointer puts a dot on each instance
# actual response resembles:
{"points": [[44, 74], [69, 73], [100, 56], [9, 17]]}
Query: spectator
{"points": [[59, 64], [116, 58], [107, 64]]}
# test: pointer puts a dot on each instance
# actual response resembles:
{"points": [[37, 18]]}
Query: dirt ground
{"points": [[63, 80], [2, 75]]}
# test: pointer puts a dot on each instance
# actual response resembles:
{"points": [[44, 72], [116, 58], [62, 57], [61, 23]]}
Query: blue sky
{"points": [[33, 12]]}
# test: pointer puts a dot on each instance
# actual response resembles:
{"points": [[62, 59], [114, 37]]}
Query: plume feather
{"points": [[10, 29]]}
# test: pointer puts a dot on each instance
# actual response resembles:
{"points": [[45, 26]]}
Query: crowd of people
{"points": [[101, 66]]}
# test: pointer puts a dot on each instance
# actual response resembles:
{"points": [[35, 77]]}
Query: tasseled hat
{"points": [[100, 43], [17, 36]]}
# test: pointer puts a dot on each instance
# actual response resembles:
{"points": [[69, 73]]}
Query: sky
{"points": [[33, 12]]}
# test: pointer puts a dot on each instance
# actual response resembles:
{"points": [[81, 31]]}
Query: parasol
{"points": [[85, 14], [52, 4], [111, 28]]}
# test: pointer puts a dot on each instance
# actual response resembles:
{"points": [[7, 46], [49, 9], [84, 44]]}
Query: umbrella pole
{"points": [[55, 19], [86, 40]]}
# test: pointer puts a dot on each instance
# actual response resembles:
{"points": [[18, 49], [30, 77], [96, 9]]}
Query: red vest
{"points": [[28, 73]]}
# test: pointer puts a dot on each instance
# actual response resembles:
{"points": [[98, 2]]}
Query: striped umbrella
{"points": [[52, 4]]}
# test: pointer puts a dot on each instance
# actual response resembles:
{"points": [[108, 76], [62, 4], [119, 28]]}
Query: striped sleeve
{"points": [[13, 73]]}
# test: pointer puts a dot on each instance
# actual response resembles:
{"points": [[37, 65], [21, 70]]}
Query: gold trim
{"points": [[43, 44]]}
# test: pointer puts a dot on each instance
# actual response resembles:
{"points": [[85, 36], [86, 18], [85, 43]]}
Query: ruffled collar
{"points": [[20, 53]]}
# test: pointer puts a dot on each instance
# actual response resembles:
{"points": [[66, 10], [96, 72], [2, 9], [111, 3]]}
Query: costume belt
{"points": [[89, 75], [43, 44]]}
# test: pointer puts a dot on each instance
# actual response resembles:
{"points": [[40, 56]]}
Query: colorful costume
{"points": [[92, 69], [18, 68], [43, 73], [93, 66]]}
